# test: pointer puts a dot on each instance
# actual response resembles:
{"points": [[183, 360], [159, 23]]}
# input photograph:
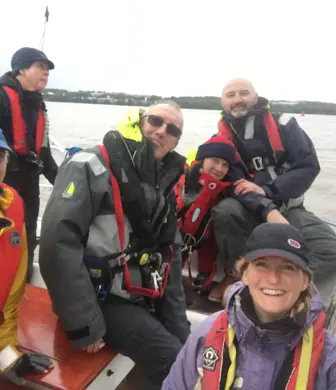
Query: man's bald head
{"points": [[239, 97]]}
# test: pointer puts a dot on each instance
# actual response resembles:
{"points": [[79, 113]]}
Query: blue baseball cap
{"points": [[3, 142], [26, 56]]}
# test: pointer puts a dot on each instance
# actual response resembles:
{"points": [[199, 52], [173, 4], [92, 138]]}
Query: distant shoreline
{"points": [[191, 102]]}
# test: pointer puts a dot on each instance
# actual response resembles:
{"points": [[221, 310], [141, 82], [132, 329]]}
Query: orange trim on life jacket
{"points": [[217, 340], [10, 244], [271, 127], [19, 126], [318, 346]]}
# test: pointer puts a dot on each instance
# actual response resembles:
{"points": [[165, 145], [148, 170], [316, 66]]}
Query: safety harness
{"points": [[273, 138], [154, 264], [298, 372]]}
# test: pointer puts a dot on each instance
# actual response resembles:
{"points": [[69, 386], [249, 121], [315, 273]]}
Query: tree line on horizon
{"points": [[191, 102]]}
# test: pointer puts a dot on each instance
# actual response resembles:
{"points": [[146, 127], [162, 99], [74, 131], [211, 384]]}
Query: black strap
{"points": [[226, 363], [285, 372]]}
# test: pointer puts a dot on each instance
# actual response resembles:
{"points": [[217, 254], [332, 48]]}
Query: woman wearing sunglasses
{"points": [[271, 335], [112, 211]]}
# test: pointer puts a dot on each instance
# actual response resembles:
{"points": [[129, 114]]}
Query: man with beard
{"points": [[284, 163], [25, 124]]}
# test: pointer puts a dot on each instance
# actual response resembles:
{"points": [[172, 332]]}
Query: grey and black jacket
{"points": [[80, 221]]}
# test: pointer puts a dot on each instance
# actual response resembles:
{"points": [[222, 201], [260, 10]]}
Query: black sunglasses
{"points": [[158, 121]]}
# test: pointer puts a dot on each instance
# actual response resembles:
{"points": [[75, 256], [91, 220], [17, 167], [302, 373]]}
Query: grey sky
{"points": [[181, 47]]}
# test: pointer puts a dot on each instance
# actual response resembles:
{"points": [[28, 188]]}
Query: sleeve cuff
{"points": [[269, 193], [267, 210]]}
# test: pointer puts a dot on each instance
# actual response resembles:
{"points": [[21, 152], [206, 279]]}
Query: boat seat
{"points": [[40, 331]]}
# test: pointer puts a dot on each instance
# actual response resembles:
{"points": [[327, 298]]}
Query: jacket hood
{"points": [[289, 329], [261, 106], [9, 80]]}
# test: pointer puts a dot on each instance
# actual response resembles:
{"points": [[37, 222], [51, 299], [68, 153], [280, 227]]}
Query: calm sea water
{"points": [[85, 125]]}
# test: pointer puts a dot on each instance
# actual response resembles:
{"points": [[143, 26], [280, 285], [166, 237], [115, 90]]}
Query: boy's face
{"points": [[216, 167]]}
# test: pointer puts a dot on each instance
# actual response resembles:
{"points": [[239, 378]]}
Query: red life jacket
{"points": [[152, 293], [19, 126], [191, 216], [272, 133], [217, 354], [10, 243], [196, 227]]}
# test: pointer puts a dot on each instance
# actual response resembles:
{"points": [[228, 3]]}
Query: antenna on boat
{"points": [[46, 15]]}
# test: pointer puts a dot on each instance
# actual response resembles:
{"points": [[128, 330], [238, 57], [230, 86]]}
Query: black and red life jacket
{"points": [[151, 238], [276, 151], [20, 139]]}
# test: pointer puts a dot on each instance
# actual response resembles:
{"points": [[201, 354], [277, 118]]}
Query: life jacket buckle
{"points": [[258, 163], [189, 241], [156, 280]]}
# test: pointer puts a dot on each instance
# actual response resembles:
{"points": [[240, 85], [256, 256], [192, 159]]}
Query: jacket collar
{"points": [[260, 108], [249, 329]]}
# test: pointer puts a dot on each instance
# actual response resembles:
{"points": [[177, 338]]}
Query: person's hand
{"points": [[95, 347], [243, 186], [274, 216], [192, 179], [33, 363]]}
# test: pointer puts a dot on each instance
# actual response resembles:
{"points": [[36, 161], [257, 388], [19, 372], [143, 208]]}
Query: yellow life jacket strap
{"points": [[233, 357], [305, 359]]}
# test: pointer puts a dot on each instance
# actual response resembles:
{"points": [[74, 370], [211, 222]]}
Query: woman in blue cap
{"points": [[271, 335]]}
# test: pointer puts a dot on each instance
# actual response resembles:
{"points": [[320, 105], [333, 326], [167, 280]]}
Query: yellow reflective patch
{"points": [[191, 155], [128, 126], [233, 357], [143, 259], [69, 192]]}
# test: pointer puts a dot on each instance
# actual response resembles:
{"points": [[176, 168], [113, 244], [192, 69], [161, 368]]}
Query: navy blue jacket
{"points": [[300, 154]]}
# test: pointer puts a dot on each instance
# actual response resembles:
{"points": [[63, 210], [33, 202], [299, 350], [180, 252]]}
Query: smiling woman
{"points": [[271, 334]]}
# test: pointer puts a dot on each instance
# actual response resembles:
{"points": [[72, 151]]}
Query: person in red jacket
{"points": [[13, 269], [216, 168]]}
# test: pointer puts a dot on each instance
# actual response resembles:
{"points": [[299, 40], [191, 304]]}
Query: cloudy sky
{"points": [[181, 47]]}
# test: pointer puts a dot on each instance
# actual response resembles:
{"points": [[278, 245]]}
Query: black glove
{"points": [[32, 363], [191, 183]]}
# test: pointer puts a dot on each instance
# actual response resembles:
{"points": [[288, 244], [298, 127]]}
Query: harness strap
{"points": [[119, 213]]}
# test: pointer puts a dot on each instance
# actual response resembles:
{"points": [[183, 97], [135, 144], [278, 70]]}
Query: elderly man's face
{"points": [[239, 98], [162, 125]]}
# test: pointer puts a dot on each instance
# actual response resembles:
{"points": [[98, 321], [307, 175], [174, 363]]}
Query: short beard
{"points": [[240, 113]]}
